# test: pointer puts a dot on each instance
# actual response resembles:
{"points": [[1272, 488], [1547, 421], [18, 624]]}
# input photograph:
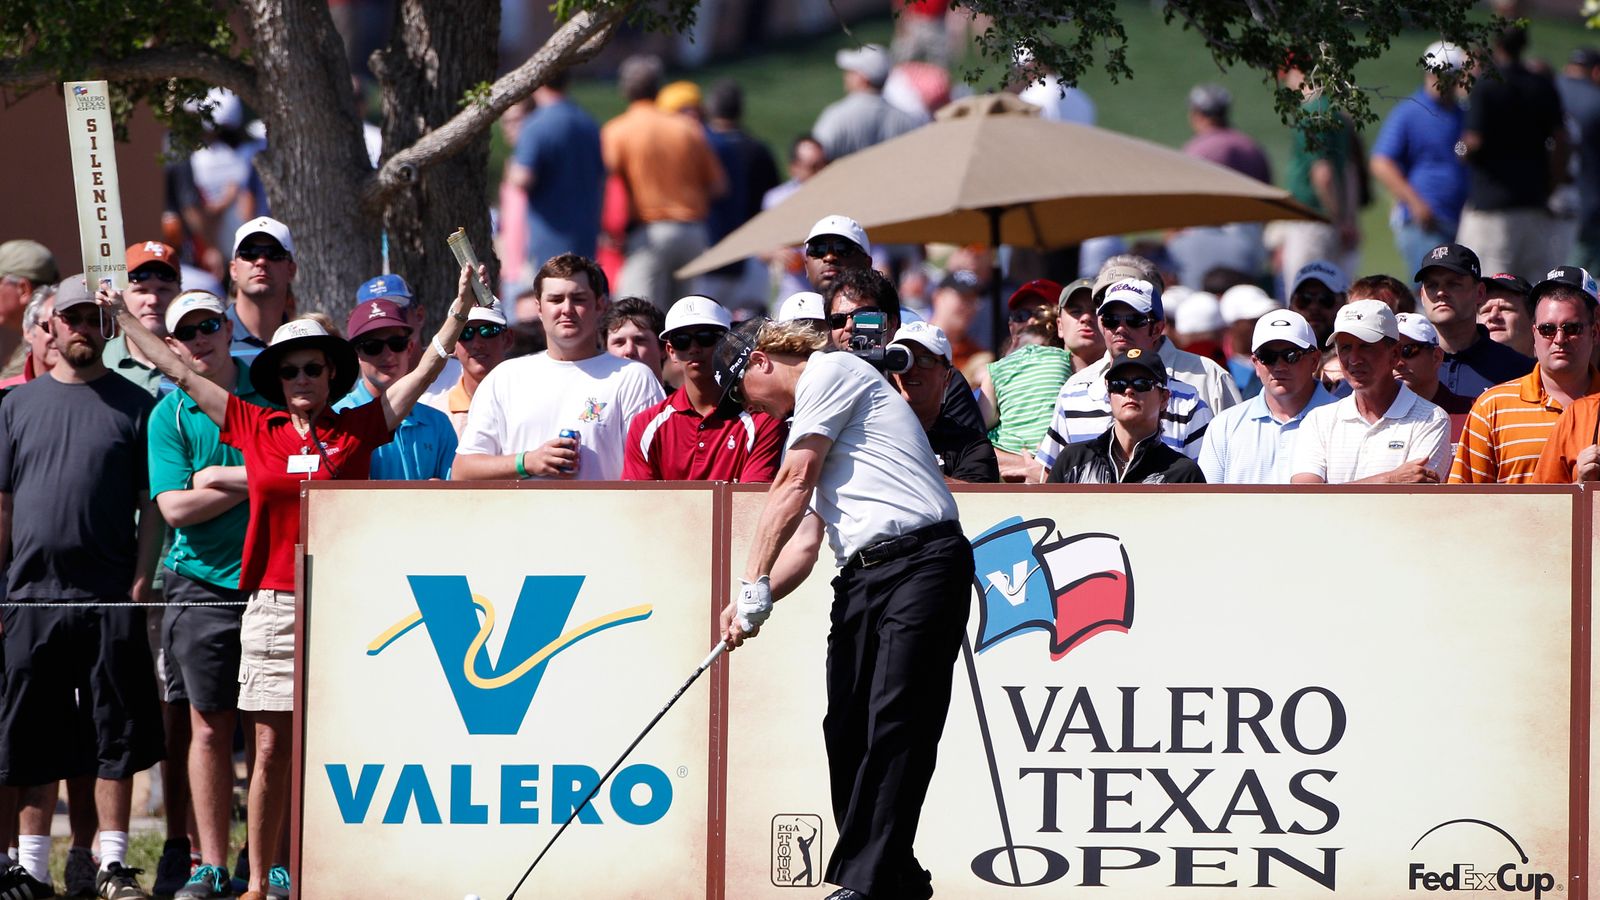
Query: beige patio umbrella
{"points": [[989, 171]]}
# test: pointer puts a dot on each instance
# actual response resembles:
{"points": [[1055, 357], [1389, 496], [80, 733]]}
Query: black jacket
{"points": [[1089, 462]]}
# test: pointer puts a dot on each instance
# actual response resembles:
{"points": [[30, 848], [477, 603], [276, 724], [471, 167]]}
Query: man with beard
{"points": [[79, 693]]}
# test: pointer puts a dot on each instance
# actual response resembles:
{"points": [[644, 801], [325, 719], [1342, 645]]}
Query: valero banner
{"points": [[1204, 693], [473, 661]]}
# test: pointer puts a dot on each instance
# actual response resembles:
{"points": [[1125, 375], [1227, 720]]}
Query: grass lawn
{"points": [[787, 85]]}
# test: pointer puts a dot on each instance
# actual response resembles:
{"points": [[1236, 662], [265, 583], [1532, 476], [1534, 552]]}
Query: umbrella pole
{"points": [[997, 311]]}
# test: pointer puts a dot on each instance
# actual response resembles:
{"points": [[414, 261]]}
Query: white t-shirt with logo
{"points": [[525, 402], [880, 478]]}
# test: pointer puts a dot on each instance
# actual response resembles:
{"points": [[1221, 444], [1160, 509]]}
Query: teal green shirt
{"points": [[116, 358], [1334, 146], [184, 440]]}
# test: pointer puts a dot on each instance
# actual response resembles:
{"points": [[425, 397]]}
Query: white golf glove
{"points": [[754, 603]]}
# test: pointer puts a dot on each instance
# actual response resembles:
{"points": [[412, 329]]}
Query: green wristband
{"points": [[521, 470]]}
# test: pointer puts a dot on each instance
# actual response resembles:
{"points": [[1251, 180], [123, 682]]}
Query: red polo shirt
{"points": [[671, 442], [268, 439]]}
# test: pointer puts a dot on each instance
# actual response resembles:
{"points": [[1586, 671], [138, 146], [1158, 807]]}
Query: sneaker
{"points": [[278, 883], [118, 882], [15, 882], [172, 870], [81, 873], [207, 883]]}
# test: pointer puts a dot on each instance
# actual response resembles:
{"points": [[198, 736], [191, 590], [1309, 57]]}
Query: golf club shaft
{"points": [[704, 665]]}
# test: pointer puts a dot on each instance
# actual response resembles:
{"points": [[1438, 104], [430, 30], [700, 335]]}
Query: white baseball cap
{"points": [[1368, 320], [842, 226], [1416, 327], [1444, 55], [928, 335], [264, 225], [803, 305], [1137, 293], [870, 60], [1283, 325], [1198, 313], [192, 301], [1323, 271], [696, 310], [492, 314], [1244, 302]]}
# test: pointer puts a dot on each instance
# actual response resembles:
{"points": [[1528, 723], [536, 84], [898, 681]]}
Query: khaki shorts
{"points": [[266, 658]]}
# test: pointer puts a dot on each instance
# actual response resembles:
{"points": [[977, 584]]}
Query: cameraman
{"points": [[867, 290], [964, 455], [857, 457]]}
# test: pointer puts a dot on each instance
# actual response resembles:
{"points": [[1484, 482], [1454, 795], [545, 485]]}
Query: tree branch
{"points": [[149, 64], [574, 42]]}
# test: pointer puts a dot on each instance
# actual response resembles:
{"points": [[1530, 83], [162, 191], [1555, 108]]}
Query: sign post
{"points": [[94, 179]]}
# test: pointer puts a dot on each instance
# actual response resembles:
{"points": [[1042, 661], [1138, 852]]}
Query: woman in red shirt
{"points": [[305, 370]]}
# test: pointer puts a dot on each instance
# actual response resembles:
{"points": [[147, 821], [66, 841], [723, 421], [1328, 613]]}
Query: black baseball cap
{"points": [[1454, 257], [731, 357], [1566, 276], [1135, 358], [1509, 282]]}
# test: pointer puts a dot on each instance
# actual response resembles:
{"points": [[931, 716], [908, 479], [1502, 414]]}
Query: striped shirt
{"points": [[1337, 445], [1507, 430], [1083, 413], [1026, 383]]}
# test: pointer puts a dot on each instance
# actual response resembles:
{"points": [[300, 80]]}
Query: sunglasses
{"points": [[374, 346], [1411, 351], [290, 373], [1315, 298], [925, 361], [253, 253], [1111, 321], [841, 320], [76, 319], [1025, 314], [706, 337], [140, 276], [483, 330], [1139, 384], [819, 249], [1271, 357], [186, 333], [1548, 330]]}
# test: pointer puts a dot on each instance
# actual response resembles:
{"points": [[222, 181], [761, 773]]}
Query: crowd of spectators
{"points": [[154, 441]]}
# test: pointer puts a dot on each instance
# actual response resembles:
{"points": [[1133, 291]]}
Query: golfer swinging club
{"points": [[859, 463]]}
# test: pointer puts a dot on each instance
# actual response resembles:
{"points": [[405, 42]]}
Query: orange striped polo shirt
{"points": [[1506, 432]]}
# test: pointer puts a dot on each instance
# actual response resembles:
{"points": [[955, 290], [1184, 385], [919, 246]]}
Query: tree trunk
{"points": [[438, 52], [315, 162]]}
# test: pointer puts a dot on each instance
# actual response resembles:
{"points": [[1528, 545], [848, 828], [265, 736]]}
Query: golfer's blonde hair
{"points": [[793, 338]]}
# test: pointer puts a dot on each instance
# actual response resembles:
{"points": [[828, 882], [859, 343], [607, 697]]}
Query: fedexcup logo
{"points": [[1481, 875], [494, 695]]}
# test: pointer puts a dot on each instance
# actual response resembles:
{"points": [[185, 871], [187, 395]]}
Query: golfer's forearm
{"points": [[786, 505]]}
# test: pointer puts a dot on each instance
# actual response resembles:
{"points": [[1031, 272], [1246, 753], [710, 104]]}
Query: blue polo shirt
{"points": [[184, 440], [1246, 445], [424, 445], [1482, 366], [1420, 136]]}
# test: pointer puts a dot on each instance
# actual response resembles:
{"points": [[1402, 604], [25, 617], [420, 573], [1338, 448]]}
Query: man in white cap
{"points": [[1318, 290], [1130, 319], [484, 344], [804, 306], [1417, 360], [965, 454], [691, 436], [260, 277], [1382, 432], [1242, 306], [836, 243], [1415, 157], [1253, 443], [862, 117]]}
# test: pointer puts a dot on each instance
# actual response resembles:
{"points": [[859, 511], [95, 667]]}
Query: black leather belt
{"points": [[896, 547]]}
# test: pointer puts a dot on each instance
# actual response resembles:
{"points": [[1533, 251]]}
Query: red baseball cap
{"points": [[1045, 290], [146, 252], [375, 314]]}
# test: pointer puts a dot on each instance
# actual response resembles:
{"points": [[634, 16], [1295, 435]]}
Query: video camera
{"points": [[869, 336]]}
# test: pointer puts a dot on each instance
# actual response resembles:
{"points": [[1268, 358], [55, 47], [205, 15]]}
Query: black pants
{"points": [[896, 629]]}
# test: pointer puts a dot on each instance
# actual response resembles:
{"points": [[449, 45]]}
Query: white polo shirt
{"points": [[525, 402], [880, 478], [1338, 445]]}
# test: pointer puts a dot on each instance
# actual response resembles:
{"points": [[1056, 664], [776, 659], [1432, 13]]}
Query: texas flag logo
{"points": [[79, 90], [1073, 587]]}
